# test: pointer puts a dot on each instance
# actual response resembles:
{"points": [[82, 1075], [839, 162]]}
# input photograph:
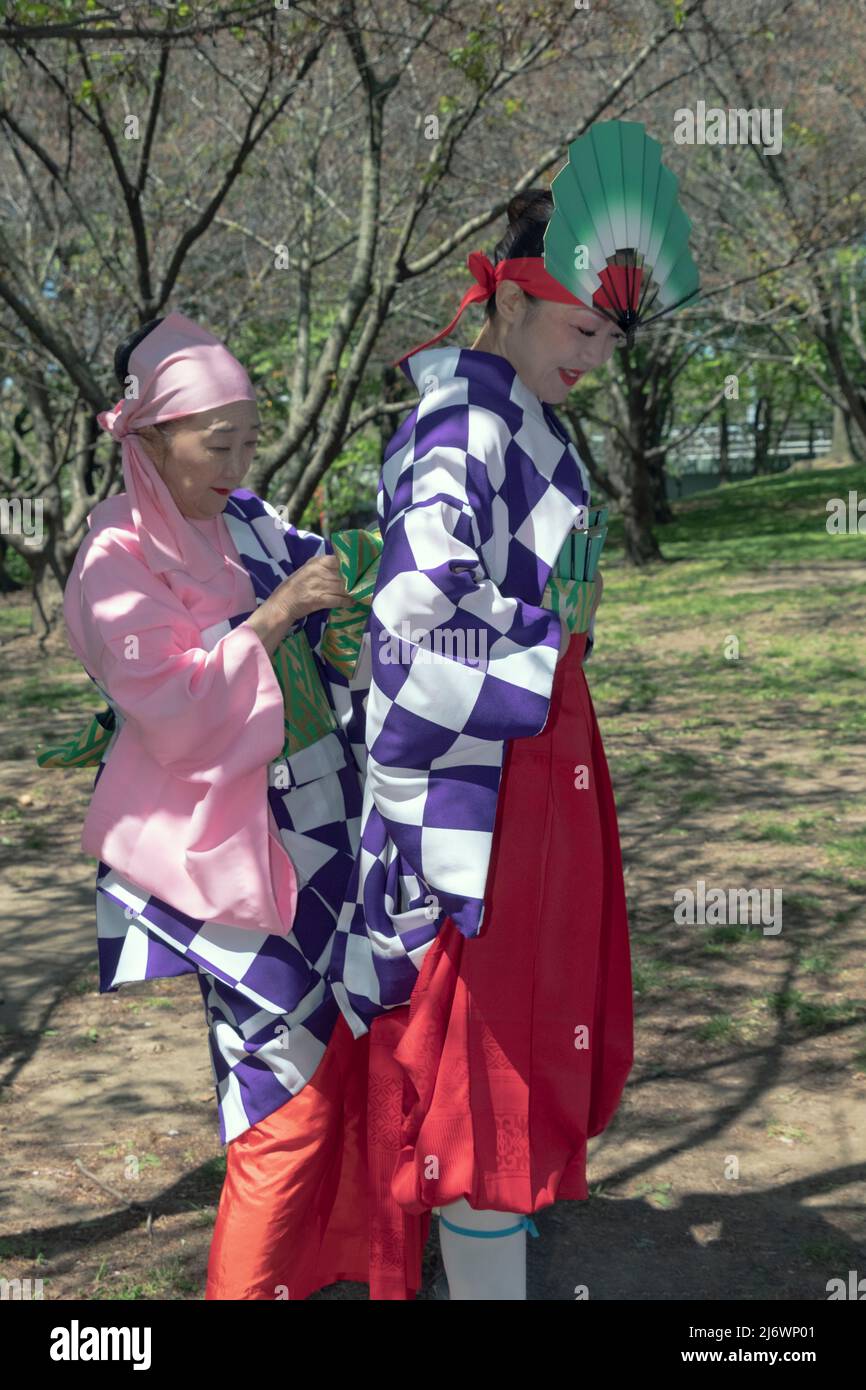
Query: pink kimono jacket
{"points": [[181, 806]]}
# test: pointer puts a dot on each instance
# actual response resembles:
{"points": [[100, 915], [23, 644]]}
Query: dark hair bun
{"points": [[532, 205], [124, 350], [528, 215]]}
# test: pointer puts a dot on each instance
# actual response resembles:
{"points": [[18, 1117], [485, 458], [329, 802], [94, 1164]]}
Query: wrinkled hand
{"points": [[317, 584]]}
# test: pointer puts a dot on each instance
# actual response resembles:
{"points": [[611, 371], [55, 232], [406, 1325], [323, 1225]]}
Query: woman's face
{"points": [[202, 458], [541, 339]]}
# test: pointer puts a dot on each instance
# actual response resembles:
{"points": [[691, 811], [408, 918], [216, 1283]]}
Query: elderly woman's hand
{"points": [[316, 584]]}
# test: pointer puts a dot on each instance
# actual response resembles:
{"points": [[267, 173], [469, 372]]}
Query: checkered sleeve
{"points": [[457, 668], [448, 647]]}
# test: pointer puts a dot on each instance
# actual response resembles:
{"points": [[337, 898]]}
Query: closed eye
{"points": [[590, 333]]}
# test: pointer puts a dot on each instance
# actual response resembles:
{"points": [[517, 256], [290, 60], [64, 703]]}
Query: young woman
{"points": [[484, 942], [224, 846]]}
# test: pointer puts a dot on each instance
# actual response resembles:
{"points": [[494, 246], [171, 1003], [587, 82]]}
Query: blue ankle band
{"points": [[525, 1224]]}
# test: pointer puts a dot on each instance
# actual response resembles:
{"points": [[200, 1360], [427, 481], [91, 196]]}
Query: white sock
{"points": [[479, 1268]]}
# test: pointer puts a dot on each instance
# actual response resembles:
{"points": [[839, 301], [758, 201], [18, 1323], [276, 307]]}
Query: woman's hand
{"points": [[317, 584]]}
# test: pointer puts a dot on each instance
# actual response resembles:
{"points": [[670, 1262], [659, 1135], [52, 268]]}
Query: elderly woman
{"points": [[225, 811]]}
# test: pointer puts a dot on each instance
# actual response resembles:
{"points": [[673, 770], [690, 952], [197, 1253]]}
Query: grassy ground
{"points": [[729, 687]]}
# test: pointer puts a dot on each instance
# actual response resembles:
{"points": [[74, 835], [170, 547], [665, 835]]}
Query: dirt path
{"points": [[734, 1168]]}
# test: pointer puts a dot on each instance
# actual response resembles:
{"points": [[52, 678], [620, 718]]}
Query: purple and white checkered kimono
{"points": [[270, 1008], [479, 490]]}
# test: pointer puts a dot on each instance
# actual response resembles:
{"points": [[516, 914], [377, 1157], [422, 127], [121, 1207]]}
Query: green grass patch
{"points": [[819, 962], [721, 1029], [811, 1014], [214, 1169], [720, 941], [802, 658], [757, 523], [14, 621], [163, 1282], [19, 1248], [849, 850], [50, 694], [829, 1254], [698, 798], [792, 1132]]}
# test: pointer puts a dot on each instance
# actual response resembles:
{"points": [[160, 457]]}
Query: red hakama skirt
{"points": [[512, 1053]]}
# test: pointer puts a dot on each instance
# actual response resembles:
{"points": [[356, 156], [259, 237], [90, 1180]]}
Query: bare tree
{"points": [[144, 171], [797, 217], [639, 396], [80, 247], [306, 183]]}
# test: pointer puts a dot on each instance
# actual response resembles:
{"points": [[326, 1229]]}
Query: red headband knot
{"points": [[529, 273]]}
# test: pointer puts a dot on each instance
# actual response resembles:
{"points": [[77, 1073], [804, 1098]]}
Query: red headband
{"points": [[529, 273]]}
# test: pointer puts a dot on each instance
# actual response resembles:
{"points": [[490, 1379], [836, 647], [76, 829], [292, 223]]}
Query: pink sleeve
{"points": [[204, 716]]}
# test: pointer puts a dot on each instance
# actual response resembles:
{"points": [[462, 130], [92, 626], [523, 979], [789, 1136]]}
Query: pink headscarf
{"points": [[178, 369]]}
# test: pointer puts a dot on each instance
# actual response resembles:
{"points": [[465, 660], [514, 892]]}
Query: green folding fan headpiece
{"points": [[618, 237]]}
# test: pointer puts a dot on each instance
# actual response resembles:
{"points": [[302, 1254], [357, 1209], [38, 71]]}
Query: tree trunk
{"points": [[856, 441], [840, 446], [391, 382], [763, 422], [8, 585], [724, 443], [46, 610], [662, 513], [636, 494], [50, 568]]}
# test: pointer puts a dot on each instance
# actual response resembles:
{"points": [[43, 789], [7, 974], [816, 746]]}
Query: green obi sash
{"points": [[309, 715], [308, 712], [84, 749], [570, 588], [358, 553]]}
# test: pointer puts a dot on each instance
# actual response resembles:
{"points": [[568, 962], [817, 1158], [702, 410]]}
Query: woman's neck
{"points": [[488, 341]]}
